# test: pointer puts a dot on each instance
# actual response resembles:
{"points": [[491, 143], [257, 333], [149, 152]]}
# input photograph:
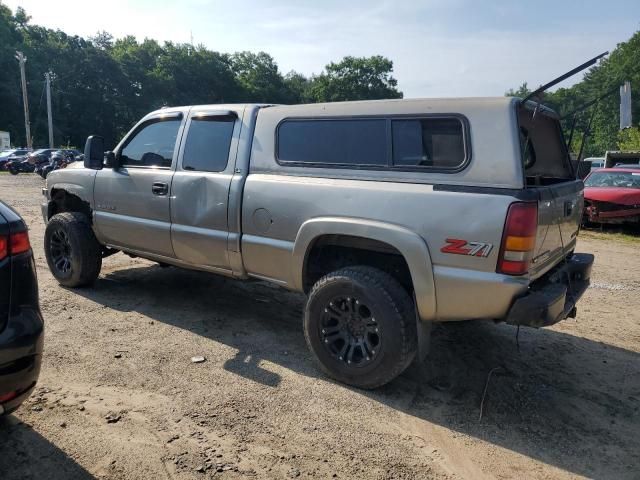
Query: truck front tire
{"points": [[73, 253], [360, 325]]}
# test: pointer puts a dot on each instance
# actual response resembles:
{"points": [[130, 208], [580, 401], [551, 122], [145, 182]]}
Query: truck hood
{"points": [[622, 196]]}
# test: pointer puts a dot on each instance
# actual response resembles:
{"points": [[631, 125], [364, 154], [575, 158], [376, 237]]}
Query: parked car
{"points": [[41, 155], [612, 195], [389, 215], [59, 159], [31, 162], [71, 153], [11, 155], [21, 324]]}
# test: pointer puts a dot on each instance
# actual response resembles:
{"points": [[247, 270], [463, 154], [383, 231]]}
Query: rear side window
{"points": [[428, 142], [400, 143], [207, 145], [333, 142]]}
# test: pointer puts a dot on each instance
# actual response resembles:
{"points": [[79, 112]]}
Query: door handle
{"points": [[160, 188]]}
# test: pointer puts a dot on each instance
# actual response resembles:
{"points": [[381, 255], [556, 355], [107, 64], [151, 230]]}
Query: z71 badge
{"points": [[462, 247]]}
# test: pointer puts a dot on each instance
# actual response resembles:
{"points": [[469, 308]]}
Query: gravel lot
{"points": [[119, 398]]}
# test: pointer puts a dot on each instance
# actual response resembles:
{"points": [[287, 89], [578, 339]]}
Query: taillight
{"points": [[14, 244], [19, 243], [518, 239], [4, 247]]}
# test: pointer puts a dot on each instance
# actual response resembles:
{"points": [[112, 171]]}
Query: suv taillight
{"points": [[14, 244], [518, 239]]}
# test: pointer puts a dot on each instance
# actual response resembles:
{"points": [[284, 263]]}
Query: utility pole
{"points": [[27, 126], [47, 77]]}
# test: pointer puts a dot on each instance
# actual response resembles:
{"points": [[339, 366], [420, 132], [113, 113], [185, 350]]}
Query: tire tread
{"points": [[403, 306], [90, 254]]}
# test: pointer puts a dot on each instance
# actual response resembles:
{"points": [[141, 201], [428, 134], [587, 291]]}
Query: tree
{"points": [[260, 78], [299, 86], [522, 91], [10, 97], [355, 78], [629, 139], [21, 17]]}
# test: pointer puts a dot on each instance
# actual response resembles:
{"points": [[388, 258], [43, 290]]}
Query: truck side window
{"points": [[207, 145], [152, 146], [333, 142], [428, 142]]}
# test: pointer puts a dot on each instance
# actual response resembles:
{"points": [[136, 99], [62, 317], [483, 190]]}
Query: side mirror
{"points": [[94, 153], [110, 160]]}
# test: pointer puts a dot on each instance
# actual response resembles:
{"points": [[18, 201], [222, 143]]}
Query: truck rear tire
{"points": [[360, 325], [73, 253]]}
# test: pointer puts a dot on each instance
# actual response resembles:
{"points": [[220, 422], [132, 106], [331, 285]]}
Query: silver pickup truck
{"points": [[389, 215]]}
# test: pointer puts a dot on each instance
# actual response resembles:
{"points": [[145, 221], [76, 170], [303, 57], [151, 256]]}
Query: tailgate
{"points": [[559, 214], [550, 178]]}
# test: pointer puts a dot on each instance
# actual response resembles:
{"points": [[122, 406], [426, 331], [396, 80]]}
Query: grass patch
{"points": [[618, 235]]}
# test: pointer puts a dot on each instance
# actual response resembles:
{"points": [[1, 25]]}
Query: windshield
{"points": [[613, 179]]}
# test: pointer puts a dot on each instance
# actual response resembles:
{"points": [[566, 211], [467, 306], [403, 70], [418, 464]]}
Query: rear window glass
{"points": [[428, 142], [544, 153], [333, 142], [207, 145]]}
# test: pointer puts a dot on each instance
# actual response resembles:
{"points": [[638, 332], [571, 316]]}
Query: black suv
{"points": [[21, 324]]}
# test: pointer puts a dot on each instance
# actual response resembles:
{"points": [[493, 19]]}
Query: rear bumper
{"points": [[21, 344], [553, 297]]}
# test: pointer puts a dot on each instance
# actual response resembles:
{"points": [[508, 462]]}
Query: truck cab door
{"points": [[132, 201], [200, 189]]}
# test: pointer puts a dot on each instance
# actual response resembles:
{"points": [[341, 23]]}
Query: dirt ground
{"points": [[119, 397]]}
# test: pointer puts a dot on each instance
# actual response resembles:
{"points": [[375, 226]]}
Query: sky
{"points": [[440, 48]]}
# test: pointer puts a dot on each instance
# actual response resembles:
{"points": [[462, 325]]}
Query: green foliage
{"points": [[522, 91], [355, 78], [101, 85], [629, 139]]}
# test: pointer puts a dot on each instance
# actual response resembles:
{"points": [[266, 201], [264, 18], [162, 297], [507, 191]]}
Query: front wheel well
{"points": [[333, 252], [63, 201]]}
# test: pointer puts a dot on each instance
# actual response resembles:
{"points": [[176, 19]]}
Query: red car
{"points": [[612, 195]]}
